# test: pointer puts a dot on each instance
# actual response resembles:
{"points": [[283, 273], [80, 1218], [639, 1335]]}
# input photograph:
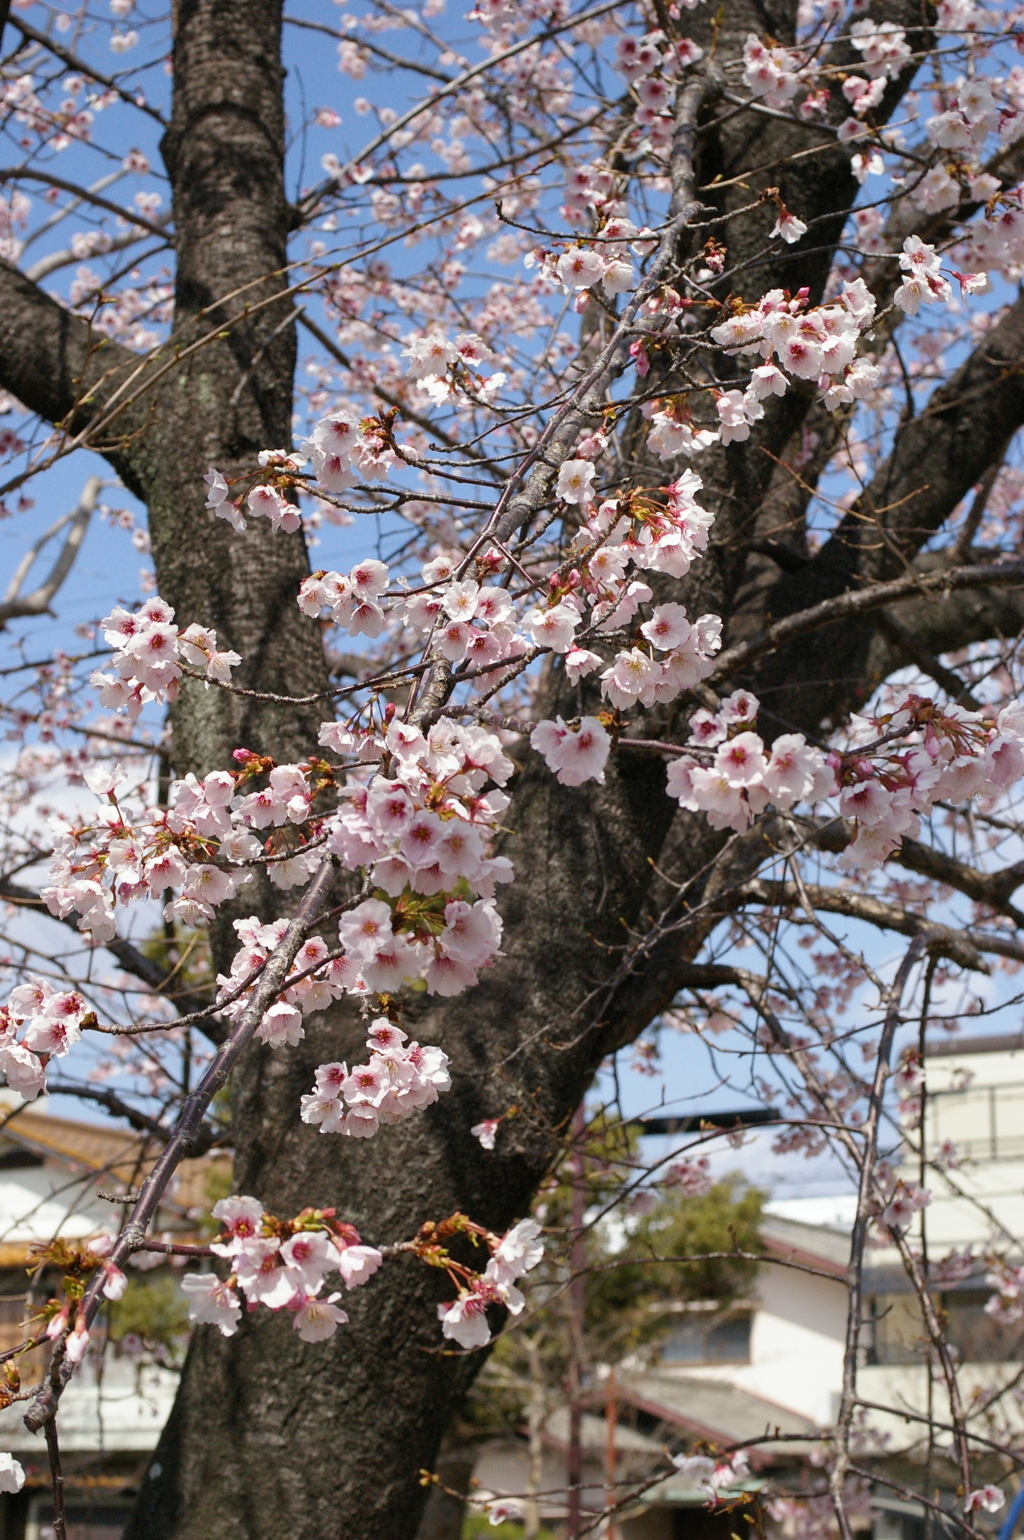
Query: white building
{"points": [[774, 1364], [786, 1346], [52, 1171]]}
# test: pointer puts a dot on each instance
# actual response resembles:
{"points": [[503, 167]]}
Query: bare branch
{"points": [[844, 606], [33, 35], [133, 217], [66, 256], [44, 1405], [858, 1239], [993, 889], [14, 604], [961, 946], [128, 956]]}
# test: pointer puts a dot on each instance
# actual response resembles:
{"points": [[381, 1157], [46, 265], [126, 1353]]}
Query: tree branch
{"points": [[73, 62], [128, 956], [44, 1404], [37, 602], [55, 260], [844, 606], [961, 946], [50, 359], [993, 889], [140, 1121], [85, 194]]}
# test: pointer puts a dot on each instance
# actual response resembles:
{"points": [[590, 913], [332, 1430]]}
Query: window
{"points": [[976, 1336], [899, 1335], [710, 1341]]}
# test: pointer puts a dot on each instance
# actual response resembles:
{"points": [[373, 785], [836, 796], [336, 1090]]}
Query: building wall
{"points": [[796, 1344], [977, 1101], [907, 1385]]}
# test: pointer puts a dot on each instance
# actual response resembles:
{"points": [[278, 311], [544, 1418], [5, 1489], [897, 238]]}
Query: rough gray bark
{"points": [[270, 1436]]}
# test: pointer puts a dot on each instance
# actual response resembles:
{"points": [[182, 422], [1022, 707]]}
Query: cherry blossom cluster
{"points": [[445, 368], [905, 1201], [673, 431], [315, 980], [909, 1082], [579, 268], [743, 777], [903, 762], [350, 599], [651, 66], [816, 342], [150, 651], [713, 1475], [954, 1267], [1006, 1305], [343, 451], [972, 110], [988, 1498], [923, 283], [468, 621], [900, 765], [465, 1320], [996, 242], [692, 1175], [774, 73], [474, 623], [79, 1262], [114, 860], [777, 74], [399, 1078], [281, 1264], [50, 1021], [421, 828], [121, 859]]}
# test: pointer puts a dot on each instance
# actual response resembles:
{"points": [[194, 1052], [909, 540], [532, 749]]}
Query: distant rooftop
{"points": [[594, 1434], [712, 1409], [989, 1042], [836, 1212], [821, 1246], [52, 1169]]}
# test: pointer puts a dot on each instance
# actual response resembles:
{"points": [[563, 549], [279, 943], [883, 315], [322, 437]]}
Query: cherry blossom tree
{"points": [[666, 363]]}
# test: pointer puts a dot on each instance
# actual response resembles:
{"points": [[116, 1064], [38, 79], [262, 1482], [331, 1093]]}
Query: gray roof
{"points": [[820, 1244], [594, 1434], [711, 1409]]}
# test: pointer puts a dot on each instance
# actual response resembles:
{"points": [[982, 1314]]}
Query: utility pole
{"points": [[611, 1424], [577, 1304]]}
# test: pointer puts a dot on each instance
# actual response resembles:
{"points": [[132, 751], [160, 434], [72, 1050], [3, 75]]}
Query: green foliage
{"points": [[219, 1183], [632, 1298], [623, 1294], [476, 1526], [183, 948], [153, 1308]]}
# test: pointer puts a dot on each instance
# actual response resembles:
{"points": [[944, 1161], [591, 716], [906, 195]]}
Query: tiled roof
{"points": [[594, 1434], [76, 1160], [710, 1409]]}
